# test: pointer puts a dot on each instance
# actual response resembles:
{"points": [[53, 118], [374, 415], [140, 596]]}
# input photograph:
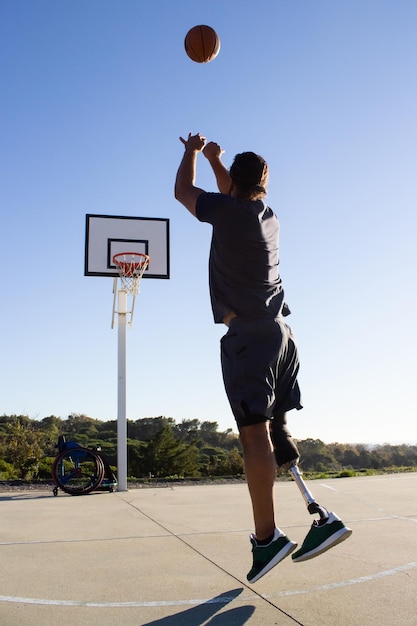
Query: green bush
{"points": [[45, 467], [7, 471], [347, 473]]}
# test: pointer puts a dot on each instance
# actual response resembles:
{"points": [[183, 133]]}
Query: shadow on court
{"points": [[203, 612], [23, 496]]}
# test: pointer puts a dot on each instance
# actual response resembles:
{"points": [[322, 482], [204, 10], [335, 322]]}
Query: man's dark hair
{"points": [[249, 172]]}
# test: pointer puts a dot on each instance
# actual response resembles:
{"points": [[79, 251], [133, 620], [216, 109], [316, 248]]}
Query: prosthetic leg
{"points": [[312, 506], [328, 530], [287, 456]]}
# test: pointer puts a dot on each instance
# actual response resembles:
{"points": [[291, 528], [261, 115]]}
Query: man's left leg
{"points": [[269, 544], [260, 471]]}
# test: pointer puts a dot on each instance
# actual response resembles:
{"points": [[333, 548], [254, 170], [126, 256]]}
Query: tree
{"points": [[136, 464], [165, 456], [210, 434], [82, 425], [188, 431], [147, 428], [24, 448], [316, 456], [51, 426], [229, 463]]}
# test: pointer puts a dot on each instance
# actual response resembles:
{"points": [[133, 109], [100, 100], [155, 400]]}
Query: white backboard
{"points": [[107, 235]]}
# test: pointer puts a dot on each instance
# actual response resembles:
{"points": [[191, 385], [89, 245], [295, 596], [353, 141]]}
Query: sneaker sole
{"points": [[280, 556], [341, 535]]}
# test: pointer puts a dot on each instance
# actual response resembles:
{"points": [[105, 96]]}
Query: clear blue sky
{"points": [[94, 96]]}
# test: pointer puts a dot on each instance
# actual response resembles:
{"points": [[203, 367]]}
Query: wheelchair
{"points": [[78, 470]]}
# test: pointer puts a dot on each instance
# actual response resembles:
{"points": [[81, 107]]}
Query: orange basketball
{"points": [[202, 44]]}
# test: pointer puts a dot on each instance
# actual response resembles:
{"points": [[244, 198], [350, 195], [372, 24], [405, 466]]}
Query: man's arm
{"points": [[213, 153], [185, 190]]}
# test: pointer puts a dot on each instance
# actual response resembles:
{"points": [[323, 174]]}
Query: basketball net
{"points": [[131, 267]]}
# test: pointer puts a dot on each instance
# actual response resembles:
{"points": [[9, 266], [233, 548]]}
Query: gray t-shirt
{"points": [[243, 266]]}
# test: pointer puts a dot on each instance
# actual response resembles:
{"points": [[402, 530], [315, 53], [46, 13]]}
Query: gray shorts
{"points": [[260, 366]]}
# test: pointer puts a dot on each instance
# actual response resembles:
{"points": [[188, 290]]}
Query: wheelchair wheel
{"points": [[78, 471]]}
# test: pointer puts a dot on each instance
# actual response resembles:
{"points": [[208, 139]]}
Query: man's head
{"points": [[249, 174]]}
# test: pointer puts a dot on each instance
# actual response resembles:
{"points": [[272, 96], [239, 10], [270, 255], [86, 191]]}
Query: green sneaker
{"points": [[323, 534], [266, 557]]}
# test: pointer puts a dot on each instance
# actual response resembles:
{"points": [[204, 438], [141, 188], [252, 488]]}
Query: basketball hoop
{"points": [[131, 266]]}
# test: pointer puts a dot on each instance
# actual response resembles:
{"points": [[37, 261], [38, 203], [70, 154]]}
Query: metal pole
{"points": [[121, 396]]}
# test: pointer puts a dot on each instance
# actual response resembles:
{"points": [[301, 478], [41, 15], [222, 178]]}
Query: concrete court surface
{"points": [[179, 555]]}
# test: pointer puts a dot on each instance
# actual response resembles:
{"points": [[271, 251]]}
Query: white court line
{"points": [[352, 581], [218, 600], [328, 487]]}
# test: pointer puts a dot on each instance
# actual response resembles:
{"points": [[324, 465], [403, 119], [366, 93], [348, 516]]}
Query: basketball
{"points": [[202, 44]]}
